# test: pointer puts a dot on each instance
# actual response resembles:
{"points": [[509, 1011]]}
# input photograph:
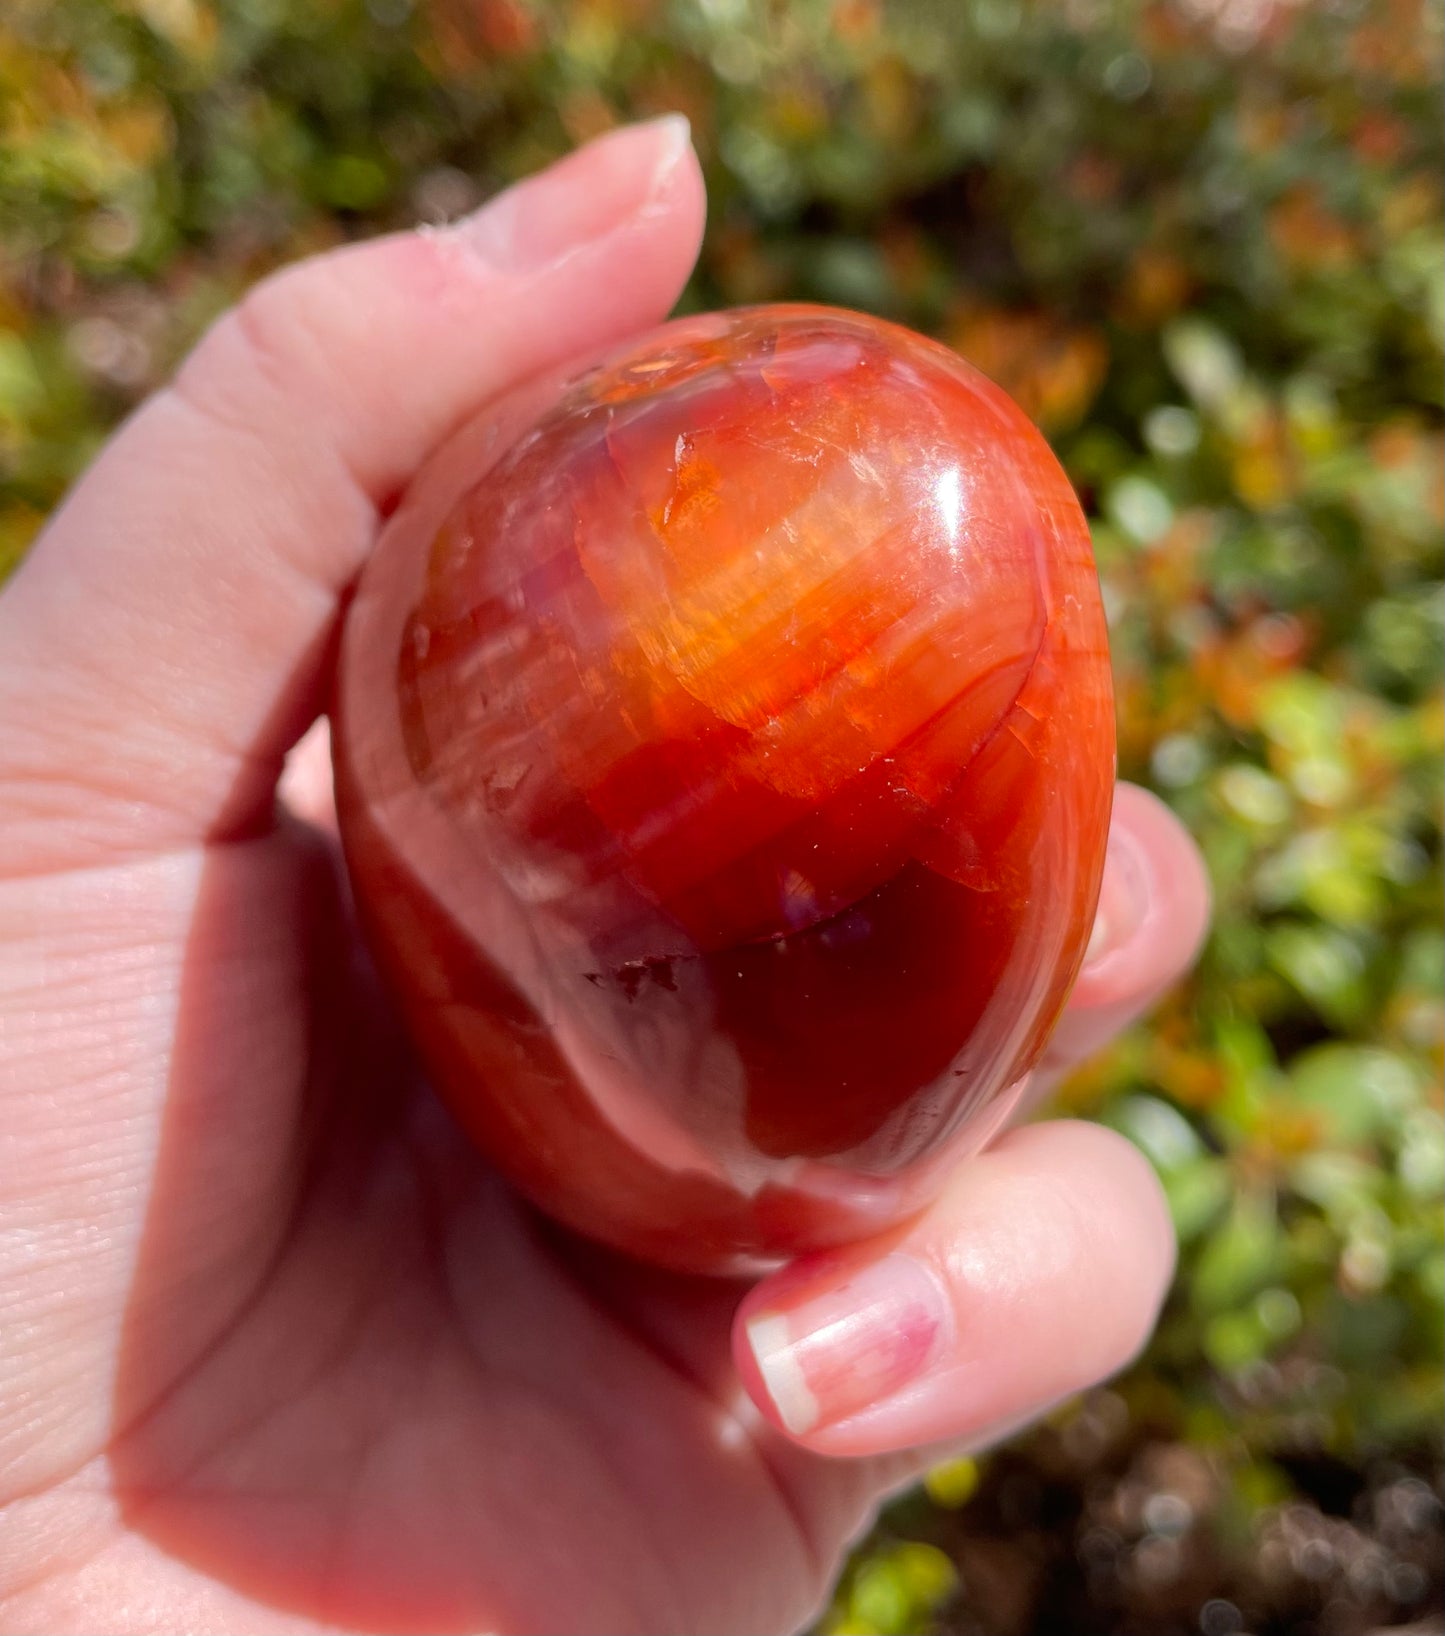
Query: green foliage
{"points": [[1201, 243]]}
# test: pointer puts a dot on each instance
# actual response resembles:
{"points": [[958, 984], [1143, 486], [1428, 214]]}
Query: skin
{"points": [[277, 1353]]}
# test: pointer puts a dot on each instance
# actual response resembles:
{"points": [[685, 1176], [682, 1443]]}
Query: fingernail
{"points": [[853, 1346], [580, 199], [1123, 898]]}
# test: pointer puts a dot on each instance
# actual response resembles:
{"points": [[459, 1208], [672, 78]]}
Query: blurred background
{"points": [[1201, 242]]}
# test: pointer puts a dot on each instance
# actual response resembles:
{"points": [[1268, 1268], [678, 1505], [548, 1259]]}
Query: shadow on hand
{"points": [[360, 1383], [283, 1319]]}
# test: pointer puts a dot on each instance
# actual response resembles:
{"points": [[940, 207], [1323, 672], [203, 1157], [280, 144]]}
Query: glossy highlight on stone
{"points": [[724, 768]]}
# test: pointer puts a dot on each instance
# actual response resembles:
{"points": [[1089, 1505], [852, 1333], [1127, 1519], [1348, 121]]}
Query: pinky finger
{"points": [[1153, 917]]}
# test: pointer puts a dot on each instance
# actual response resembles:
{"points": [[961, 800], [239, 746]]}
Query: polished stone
{"points": [[724, 767]]}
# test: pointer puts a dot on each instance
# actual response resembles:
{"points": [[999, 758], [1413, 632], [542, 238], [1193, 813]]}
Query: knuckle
{"points": [[271, 328], [261, 350]]}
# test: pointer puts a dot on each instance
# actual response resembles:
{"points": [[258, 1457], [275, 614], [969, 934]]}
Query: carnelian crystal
{"points": [[724, 767]]}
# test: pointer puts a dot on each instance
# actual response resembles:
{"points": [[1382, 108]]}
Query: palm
{"points": [[405, 1379]]}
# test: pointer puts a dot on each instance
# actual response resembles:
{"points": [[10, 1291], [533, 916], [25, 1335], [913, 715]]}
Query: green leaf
{"points": [[1197, 1194], [1241, 1258], [1326, 965], [1159, 1130], [1207, 363], [926, 1572], [1140, 508], [1341, 1184], [1358, 1093], [1421, 1161], [21, 388], [953, 1484], [880, 1601], [1234, 1340]]}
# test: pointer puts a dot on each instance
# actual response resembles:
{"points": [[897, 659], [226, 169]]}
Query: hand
{"points": [[278, 1353]]}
